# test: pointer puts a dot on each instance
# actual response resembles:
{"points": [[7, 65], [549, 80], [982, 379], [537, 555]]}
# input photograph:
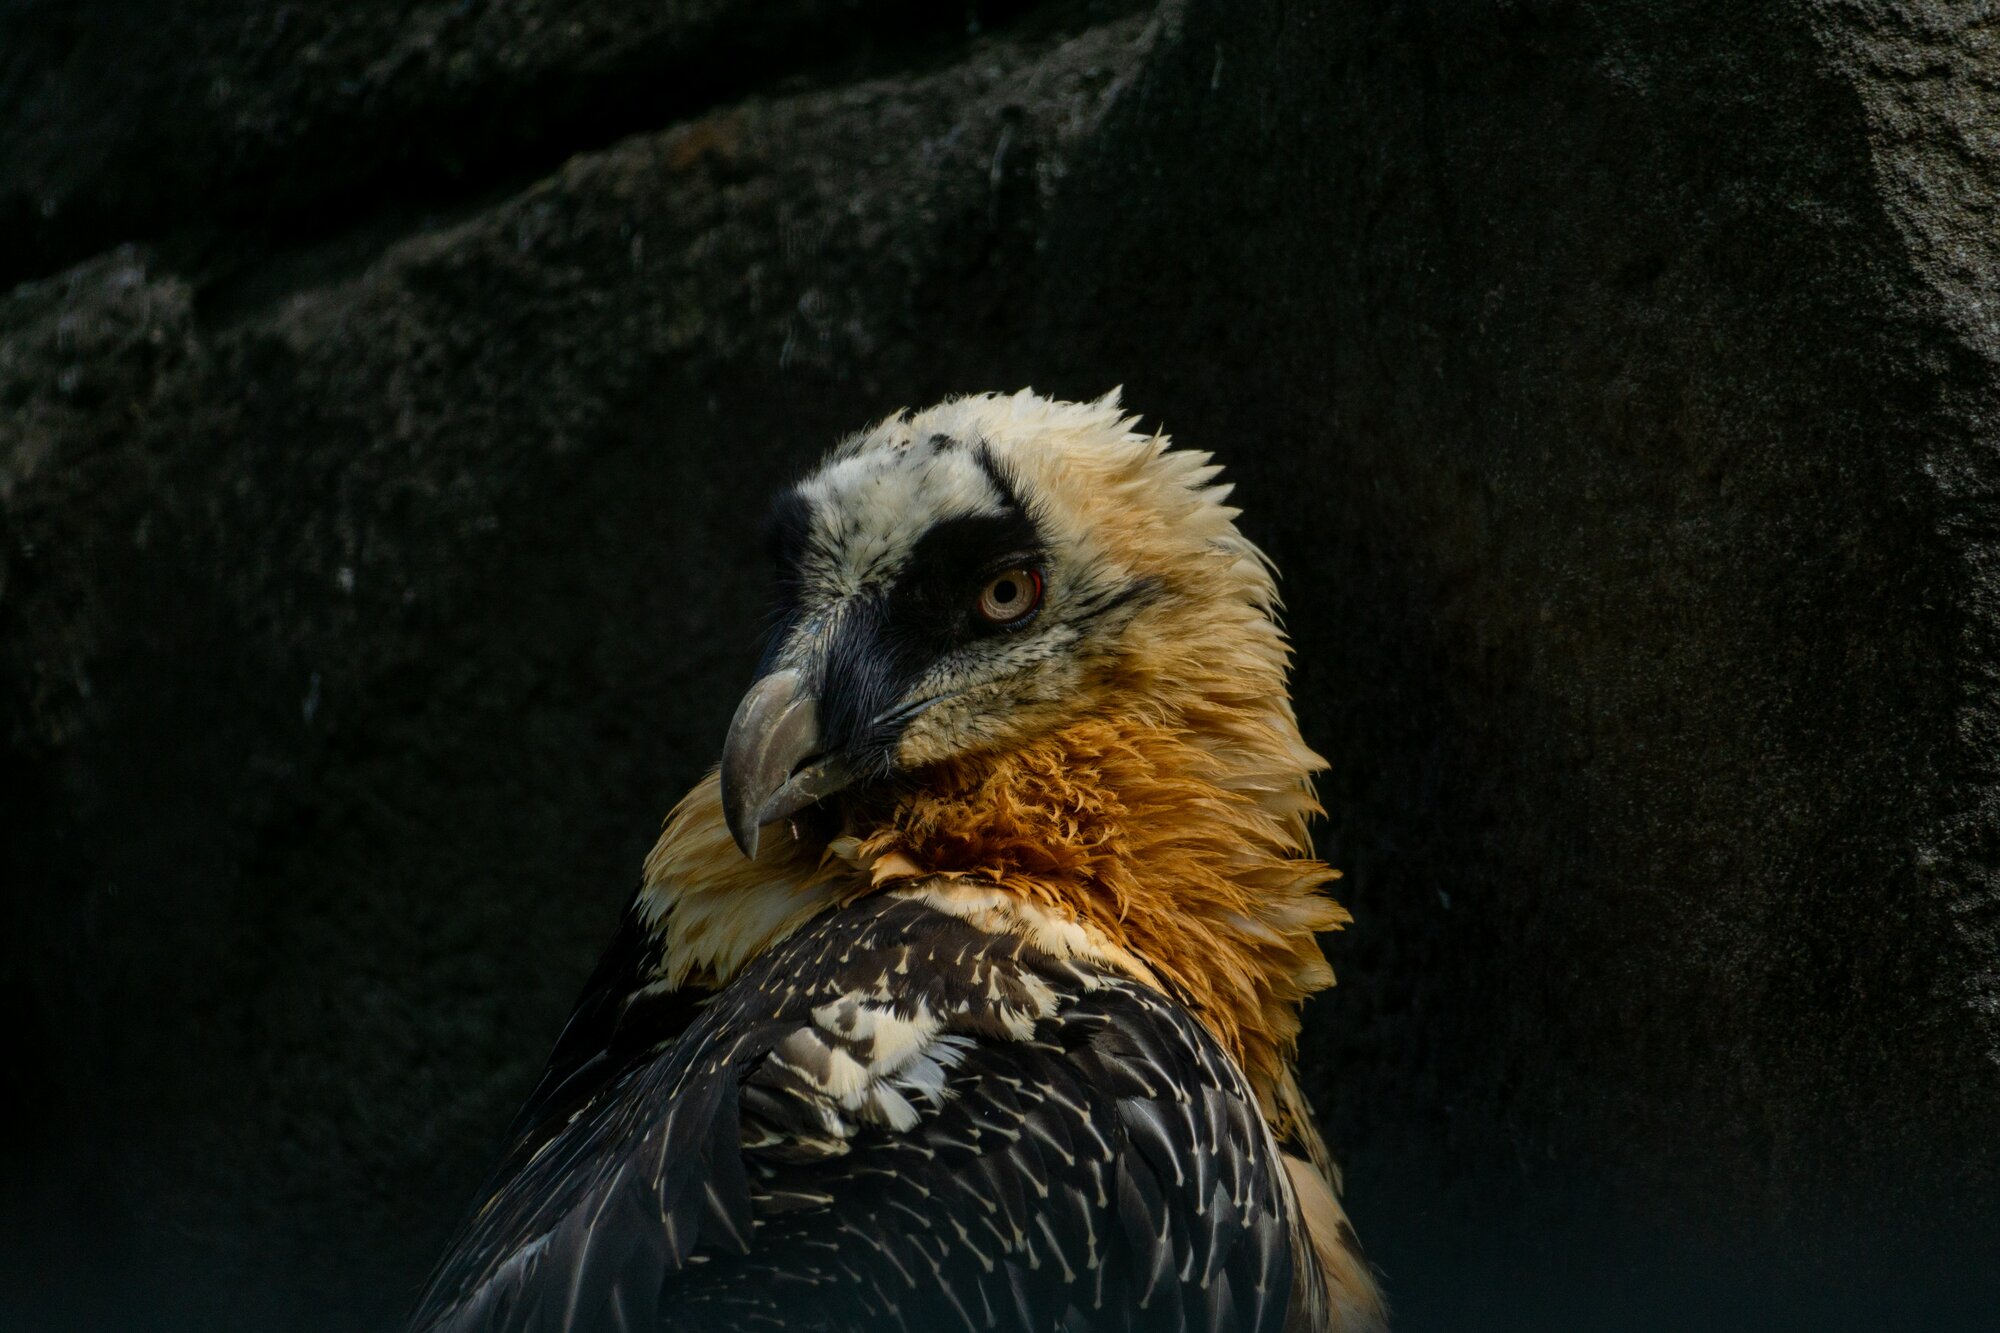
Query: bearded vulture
{"points": [[964, 994]]}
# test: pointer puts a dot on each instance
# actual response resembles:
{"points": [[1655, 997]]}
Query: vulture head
{"points": [[963, 580]]}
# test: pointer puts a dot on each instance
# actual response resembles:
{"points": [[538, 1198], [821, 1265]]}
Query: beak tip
{"points": [[739, 816], [772, 767]]}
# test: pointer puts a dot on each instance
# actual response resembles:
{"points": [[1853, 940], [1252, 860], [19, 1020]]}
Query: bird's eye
{"points": [[1009, 597]]}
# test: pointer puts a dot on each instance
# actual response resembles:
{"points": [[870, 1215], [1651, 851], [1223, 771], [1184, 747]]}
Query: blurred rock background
{"points": [[389, 395]]}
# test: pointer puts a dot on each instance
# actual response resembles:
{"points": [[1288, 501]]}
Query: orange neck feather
{"points": [[1127, 827]]}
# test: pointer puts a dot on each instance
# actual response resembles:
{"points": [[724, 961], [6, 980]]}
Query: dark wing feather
{"points": [[622, 1017], [896, 1121]]}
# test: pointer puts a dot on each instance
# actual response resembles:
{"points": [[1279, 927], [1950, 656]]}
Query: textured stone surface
{"points": [[219, 122], [1614, 383]]}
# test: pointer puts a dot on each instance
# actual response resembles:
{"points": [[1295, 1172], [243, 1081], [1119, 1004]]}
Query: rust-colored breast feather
{"points": [[1122, 825]]}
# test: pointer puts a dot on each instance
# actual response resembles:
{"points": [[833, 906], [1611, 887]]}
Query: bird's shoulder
{"points": [[895, 1118]]}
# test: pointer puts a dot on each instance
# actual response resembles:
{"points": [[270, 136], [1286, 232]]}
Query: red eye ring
{"points": [[1010, 596]]}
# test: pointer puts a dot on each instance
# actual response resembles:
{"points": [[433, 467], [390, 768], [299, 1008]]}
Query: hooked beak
{"points": [[772, 764]]}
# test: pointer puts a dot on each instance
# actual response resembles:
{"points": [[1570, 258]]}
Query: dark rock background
{"points": [[387, 405]]}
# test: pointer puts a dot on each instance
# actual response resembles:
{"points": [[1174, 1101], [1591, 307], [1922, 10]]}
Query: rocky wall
{"points": [[387, 408]]}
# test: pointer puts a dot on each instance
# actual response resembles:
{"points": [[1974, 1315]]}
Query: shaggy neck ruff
{"points": [[1177, 838], [1133, 830]]}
